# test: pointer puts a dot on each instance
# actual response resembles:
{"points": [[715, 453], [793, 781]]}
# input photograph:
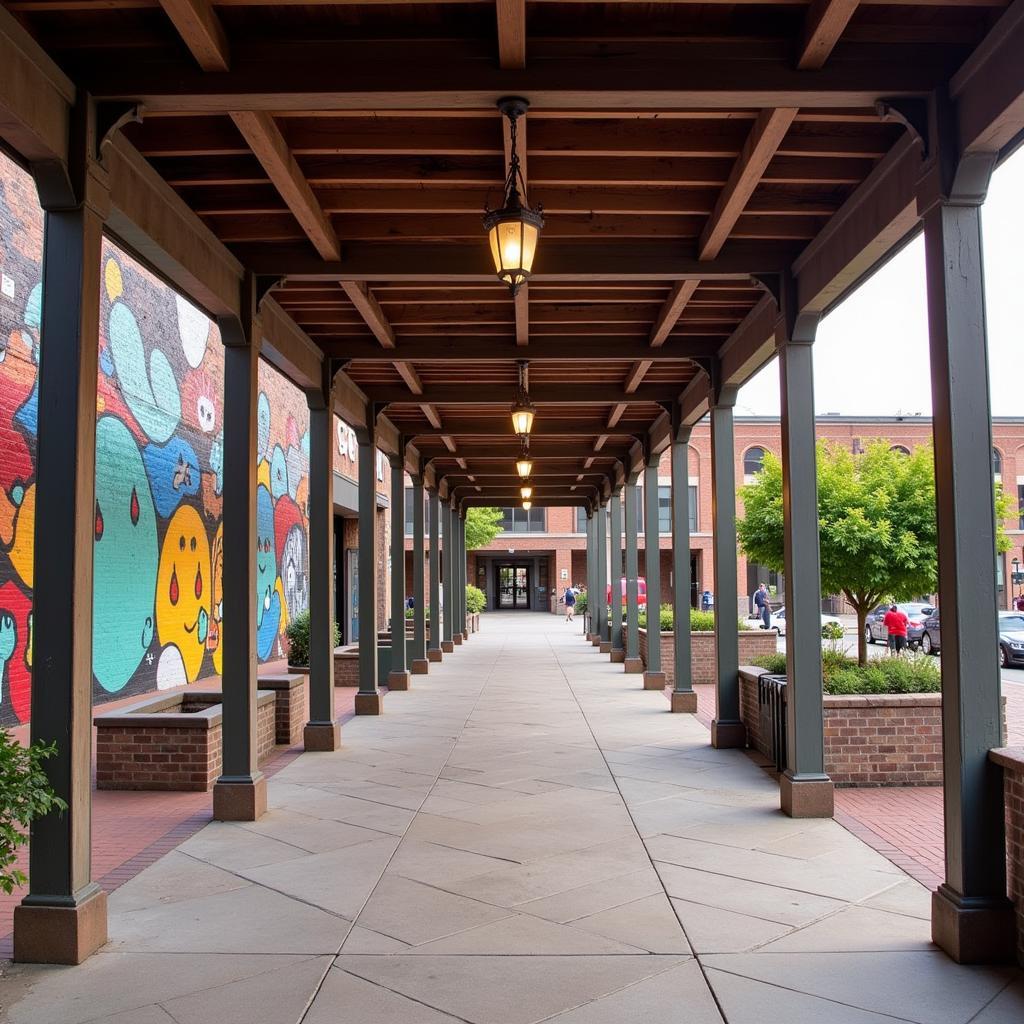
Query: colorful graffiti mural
{"points": [[157, 599]]}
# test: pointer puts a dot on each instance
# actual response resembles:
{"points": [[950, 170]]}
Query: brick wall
{"points": [[1012, 762], [704, 657]]}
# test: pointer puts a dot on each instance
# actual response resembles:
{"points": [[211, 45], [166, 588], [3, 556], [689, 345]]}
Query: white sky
{"points": [[871, 353]]}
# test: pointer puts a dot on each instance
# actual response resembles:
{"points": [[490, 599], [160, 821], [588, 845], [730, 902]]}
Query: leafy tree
{"points": [[482, 526], [876, 514]]}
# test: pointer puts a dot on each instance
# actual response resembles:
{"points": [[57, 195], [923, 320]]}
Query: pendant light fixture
{"points": [[527, 489], [523, 410], [527, 505], [513, 230]]}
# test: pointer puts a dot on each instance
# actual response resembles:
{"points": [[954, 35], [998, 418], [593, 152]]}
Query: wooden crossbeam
{"points": [[616, 414], [636, 375], [511, 34], [765, 137], [435, 421], [369, 309], [269, 147], [672, 309], [202, 32], [825, 22], [408, 373]]}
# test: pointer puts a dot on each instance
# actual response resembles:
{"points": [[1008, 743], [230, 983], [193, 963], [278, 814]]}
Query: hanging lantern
{"points": [[527, 505], [524, 466], [513, 230], [526, 490], [523, 410]]}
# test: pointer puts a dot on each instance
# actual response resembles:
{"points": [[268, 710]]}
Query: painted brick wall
{"points": [[159, 461], [1012, 762]]}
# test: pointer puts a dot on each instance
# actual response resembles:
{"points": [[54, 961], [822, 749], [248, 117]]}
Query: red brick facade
{"points": [[1012, 762], [703, 655]]}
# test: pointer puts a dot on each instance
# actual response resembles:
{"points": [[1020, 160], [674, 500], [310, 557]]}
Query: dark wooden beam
{"points": [[202, 32], [497, 426], [825, 22], [511, 34], [369, 309], [569, 393], [490, 348], [270, 148], [764, 139], [672, 309]]}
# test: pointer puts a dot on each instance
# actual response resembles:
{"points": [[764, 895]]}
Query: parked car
{"points": [[1011, 639], [916, 613], [778, 621], [641, 592]]}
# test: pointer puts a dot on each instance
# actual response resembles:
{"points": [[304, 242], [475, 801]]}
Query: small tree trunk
{"points": [[862, 643]]}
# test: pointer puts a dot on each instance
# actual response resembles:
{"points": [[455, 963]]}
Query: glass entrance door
{"points": [[513, 586]]}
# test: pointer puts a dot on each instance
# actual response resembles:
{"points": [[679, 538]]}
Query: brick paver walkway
{"points": [[131, 830]]}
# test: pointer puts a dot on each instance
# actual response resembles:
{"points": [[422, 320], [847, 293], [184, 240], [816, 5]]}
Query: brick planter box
{"points": [[172, 742], [703, 658], [1011, 760], [289, 706], [870, 739]]}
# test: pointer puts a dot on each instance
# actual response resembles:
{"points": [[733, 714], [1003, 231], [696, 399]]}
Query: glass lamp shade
{"points": [[526, 490], [522, 417], [527, 505], [512, 233], [524, 467]]}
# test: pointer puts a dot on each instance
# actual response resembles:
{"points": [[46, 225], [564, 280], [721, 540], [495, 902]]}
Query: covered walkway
{"points": [[525, 836]]}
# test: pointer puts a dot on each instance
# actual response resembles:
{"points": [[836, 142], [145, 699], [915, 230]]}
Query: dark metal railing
{"points": [[771, 701]]}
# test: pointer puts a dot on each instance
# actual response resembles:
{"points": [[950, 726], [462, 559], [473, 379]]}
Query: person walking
{"points": [[763, 606], [569, 597], [705, 601], [896, 623]]}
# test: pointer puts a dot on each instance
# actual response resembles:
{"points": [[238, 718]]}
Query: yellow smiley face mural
{"points": [[183, 589]]}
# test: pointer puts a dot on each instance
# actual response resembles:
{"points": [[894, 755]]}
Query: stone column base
{"points": [[240, 799], [971, 931], [605, 647], [457, 639], [447, 646], [617, 657], [60, 935], [369, 704], [684, 702], [727, 735], [435, 654], [807, 797], [420, 666], [398, 680], [322, 736], [596, 641], [655, 681], [635, 665]]}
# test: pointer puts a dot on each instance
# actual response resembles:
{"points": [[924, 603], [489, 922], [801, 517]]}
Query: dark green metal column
{"points": [[805, 789], [434, 652], [463, 577], [458, 588], [726, 729], [971, 917], [654, 676], [322, 731], [632, 662], [618, 650], [601, 519], [368, 699], [683, 697], [240, 794], [63, 919], [418, 654], [398, 677], [590, 632], [447, 568]]}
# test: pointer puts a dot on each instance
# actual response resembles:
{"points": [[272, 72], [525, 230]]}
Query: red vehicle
{"points": [[641, 592]]}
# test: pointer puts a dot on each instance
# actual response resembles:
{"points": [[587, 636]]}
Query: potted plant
{"points": [[25, 795], [297, 632]]}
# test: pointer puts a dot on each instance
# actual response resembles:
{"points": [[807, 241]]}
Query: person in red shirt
{"points": [[896, 623]]}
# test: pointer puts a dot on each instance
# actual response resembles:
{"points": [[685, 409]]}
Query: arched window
{"points": [[997, 462], [900, 449], [753, 462]]}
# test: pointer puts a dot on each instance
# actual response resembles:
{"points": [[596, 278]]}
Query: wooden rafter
{"points": [[765, 138], [616, 414], [369, 309], [672, 309], [511, 34], [825, 23], [201, 31], [269, 147]]}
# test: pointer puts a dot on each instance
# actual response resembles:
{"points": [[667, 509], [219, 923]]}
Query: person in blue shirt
{"points": [[569, 597]]}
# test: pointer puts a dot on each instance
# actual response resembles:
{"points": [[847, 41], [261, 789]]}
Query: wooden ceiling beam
{"points": [[202, 32], [269, 147], [470, 348], [511, 34], [765, 137], [500, 426], [369, 309], [616, 414], [825, 22], [671, 310], [577, 392], [636, 374]]}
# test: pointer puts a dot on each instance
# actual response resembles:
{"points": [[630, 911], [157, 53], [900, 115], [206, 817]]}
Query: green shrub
{"points": [[410, 613], [915, 673], [475, 599], [832, 631], [297, 632], [25, 795], [700, 622], [581, 603]]}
